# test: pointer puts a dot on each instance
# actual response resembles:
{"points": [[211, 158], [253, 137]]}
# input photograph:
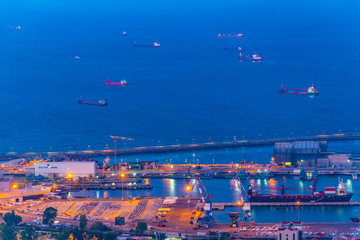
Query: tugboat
{"points": [[355, 218], [99, 103], [121, 83], [312, 91]]}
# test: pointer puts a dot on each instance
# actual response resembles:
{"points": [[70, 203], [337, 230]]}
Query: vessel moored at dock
{"points": [[330, 195]]}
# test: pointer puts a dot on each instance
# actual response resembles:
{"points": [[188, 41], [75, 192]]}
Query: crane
{"points": [[283, 188], [119, 138], [245, 214], [207, 220]]}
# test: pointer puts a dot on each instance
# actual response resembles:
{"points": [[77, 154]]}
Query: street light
{"points": [[188, 189], [122, 176]]}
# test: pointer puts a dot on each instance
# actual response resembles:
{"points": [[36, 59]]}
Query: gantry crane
{"points": [[207, 220], [245, 214]]}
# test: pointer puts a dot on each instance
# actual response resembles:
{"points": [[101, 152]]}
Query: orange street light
{"points": [[298, 203], [122, 175], [239, 203], [188, 188], [14, 186], [69, 175]]}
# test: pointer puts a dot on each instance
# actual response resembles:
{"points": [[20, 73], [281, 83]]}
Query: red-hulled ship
{"points": [[121, 83], [329, 195], [302, 91]]}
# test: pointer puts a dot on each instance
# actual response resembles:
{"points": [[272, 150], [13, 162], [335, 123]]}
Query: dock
{"points": [[222, 206], [185, 147]]}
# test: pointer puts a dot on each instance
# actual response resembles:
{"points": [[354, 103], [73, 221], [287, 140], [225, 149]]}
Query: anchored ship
{"points": [[254, 57], [329, 195], [99, 103], [230, 35], [154, 45], [121, 83], [302, 91]]}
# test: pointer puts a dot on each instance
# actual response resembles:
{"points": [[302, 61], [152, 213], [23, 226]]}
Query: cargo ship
{"points": [[302, 91], [330, 194], [255, 57], [230, 35], [154, 45], [121, 83], [99, 103]]}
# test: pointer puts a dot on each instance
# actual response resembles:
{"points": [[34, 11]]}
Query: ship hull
{"points": [[301, 198]]}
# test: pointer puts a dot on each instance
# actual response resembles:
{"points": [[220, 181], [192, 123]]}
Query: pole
{"points": [[115, 151], [298, 213]]}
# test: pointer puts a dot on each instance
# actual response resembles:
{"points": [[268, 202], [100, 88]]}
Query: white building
{"points": [[65, 169], [290, 231]]}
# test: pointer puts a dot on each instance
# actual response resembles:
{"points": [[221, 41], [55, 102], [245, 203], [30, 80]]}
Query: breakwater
{"points": [[185, 147]]}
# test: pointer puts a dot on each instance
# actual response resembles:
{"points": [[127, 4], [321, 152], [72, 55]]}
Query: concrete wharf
{"points": [[222, 206], [187, 147]]}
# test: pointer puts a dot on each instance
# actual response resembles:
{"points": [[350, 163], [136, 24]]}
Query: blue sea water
{"points": [[188, 90]]}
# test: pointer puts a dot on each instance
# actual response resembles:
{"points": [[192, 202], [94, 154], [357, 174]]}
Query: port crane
{"points": [[245, 214], [207, 220]]}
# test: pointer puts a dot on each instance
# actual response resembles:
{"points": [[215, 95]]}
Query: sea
{"points": [[190, 89]]}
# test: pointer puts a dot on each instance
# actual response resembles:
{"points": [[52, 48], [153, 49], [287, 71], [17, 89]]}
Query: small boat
{"points": [[124, 33], [230, 35], [355, 218], [99, 103], [154, 45], [302, 91], [77, 58], [121, 83]]}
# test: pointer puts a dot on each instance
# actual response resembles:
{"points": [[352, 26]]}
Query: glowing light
{"points": [[239, 203], [122, 175], [188, 188], [172, 166], [69, 175], [298, 203], [14, 186]]}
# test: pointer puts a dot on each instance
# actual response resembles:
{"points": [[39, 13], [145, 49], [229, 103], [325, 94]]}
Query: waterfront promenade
{"points": [[184, 147]]}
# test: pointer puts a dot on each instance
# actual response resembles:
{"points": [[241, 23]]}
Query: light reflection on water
{"points": [[224, 190]]}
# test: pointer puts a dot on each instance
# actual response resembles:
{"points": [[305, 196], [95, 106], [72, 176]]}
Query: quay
{"points": [[222, 206], [185, 147]]}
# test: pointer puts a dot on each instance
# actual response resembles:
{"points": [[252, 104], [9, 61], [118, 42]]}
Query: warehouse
{"points": [[65, 169], [305, 153]]}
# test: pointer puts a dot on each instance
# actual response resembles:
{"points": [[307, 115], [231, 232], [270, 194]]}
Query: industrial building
{"points": [[305, 153], [309, 154], [65, 169]]}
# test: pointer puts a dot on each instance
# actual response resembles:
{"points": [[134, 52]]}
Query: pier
{"points": [[185, 147]]}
